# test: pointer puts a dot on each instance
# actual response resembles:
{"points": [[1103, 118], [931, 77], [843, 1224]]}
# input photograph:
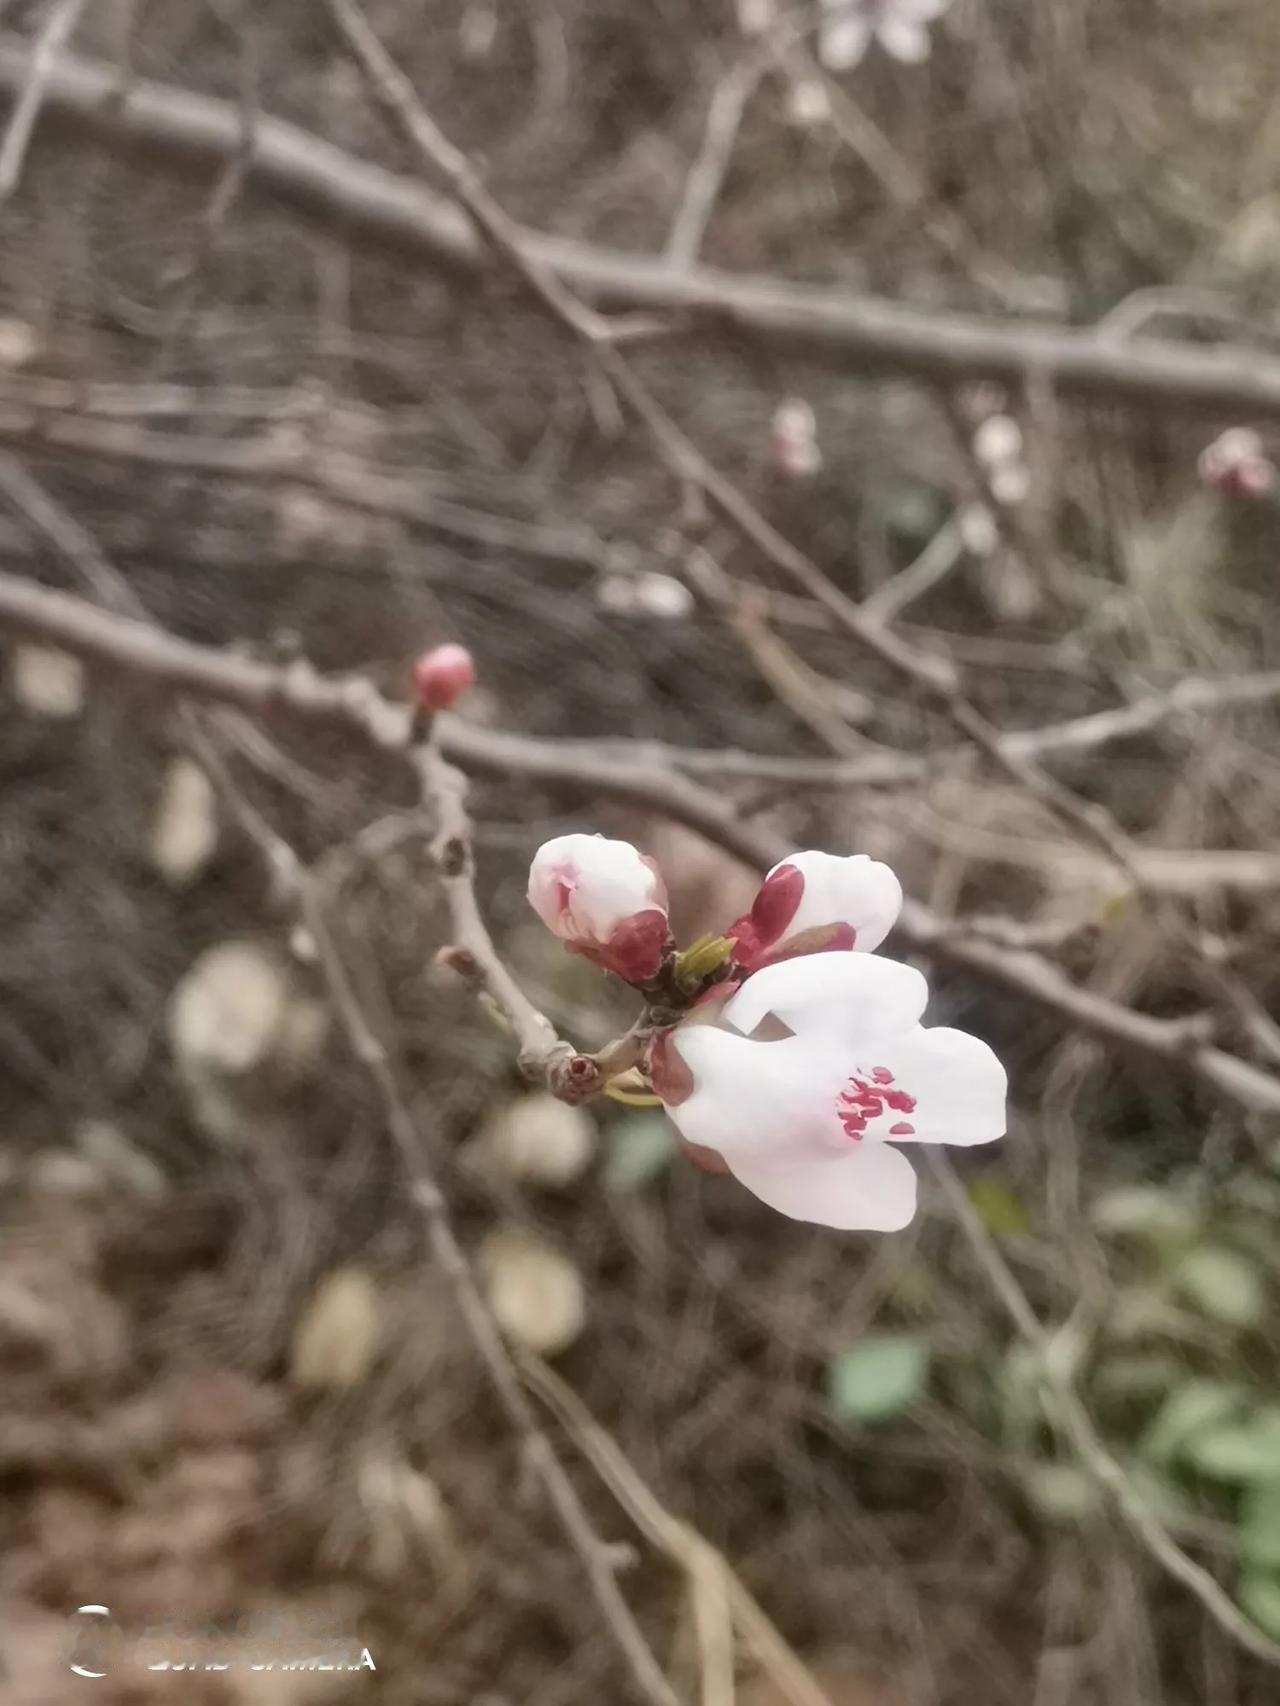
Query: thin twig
{"points": [[569, 1074], [707, 174], [176, 131], [928, 675], [58, 26], [939, 557], [150, 657], [597, 1558], [537, 1037], [681, 1543]]}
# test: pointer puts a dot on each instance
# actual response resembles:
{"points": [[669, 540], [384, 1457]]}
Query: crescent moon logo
{"points": [[90, 1611]]}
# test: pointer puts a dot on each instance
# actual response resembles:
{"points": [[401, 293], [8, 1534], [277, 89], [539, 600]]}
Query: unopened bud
{"points": [[442, 675], [793, 440], [1237, 465], [604, 900]]}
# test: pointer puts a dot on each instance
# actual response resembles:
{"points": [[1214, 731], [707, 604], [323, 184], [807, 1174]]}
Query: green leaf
{"points": [[1137, 1375], [879, 1378], [1019, 1384], [1247, 1452], [1260, 1524], [1062, 1491], [1146, 1311], [1148, 1212], [640, 1148], [1192, 1409], [1225, 1285], [999, 1206], [1259, 1595]]}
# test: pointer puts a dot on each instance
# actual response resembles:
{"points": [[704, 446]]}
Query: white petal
{"points": [[856, 890], [843, 39], [870, 1187], [583, 886], [849, 998], [903, 40], [997, 441], [920, 11], [779, 1098], [956, 1082]]}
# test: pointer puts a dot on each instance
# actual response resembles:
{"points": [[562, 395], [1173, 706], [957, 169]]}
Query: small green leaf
{"points": [[879, 1378], [999, 1206], [1192, 1409], [1260, 1524], [640, 1148], [1259, 1596], [1248, 1451], [1225, 1285], [1062, 1491], [703, 957], [1147, 1212]]}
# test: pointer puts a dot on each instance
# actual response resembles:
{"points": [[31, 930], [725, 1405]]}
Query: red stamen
{"points": [[862, 1101]]}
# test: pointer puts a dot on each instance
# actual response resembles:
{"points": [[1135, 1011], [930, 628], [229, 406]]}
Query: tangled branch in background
{"points": [[787, 1024]]}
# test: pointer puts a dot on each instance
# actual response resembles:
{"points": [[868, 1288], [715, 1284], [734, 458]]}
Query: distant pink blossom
{"points": [[1237, 465]]}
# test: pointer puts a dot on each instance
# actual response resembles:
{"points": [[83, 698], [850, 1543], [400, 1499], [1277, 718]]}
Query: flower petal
{"points": [[584, 887], [870, 1187], [954, 1084], [903, 40], [857, 891], [849, 997], [778, 1098], [844, 37]]}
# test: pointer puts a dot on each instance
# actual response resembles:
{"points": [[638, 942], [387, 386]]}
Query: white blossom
{"points": [[810, 1073], [848, 28]]}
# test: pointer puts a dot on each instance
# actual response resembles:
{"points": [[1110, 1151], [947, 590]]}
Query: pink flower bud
{"points": [[604, 900], [793, 441], [1237, 465], [442, 675]]}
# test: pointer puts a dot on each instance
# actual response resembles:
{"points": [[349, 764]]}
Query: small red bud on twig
{"points": [[442, 675]]}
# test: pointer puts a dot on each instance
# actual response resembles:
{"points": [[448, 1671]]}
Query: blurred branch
{"points": [[707, 174], [57, 29], [933, 677], [540, 1048], [176, 131], [597, 1558], [1073, 1420], [708, 1569], [148, 656], [258, 461]]}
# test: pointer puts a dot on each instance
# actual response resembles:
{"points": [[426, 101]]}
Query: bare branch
{"points": [[540, 1047], [595, 1555], [707, 174], [173, 130], [57, 30], [150, 657]]}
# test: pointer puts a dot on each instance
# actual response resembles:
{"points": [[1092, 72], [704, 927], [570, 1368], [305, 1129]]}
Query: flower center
{"points": [[867, 1096]]}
